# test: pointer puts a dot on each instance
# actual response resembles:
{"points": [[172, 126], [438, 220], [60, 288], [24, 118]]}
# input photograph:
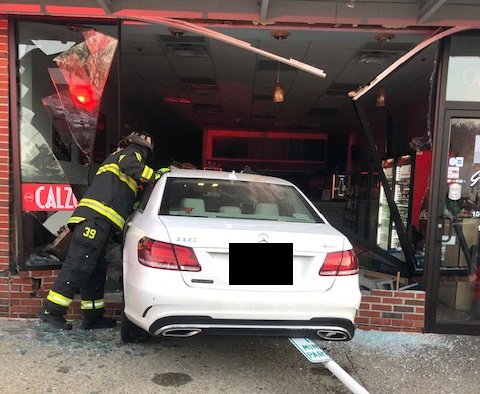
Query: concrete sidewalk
{"points": [[35, 359]]}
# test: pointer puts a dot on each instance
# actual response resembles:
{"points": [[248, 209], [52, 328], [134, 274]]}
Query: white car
{"points": [[231, 253]]}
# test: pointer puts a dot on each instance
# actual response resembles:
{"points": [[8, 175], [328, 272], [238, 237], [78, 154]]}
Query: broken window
{"points": [[65, 102]]}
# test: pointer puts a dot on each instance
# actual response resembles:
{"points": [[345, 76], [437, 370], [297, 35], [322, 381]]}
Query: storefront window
{"points": [[463, 80], [65, 121]]}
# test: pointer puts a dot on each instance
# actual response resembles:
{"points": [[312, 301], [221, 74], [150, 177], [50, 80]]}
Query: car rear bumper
{"points": [[319, 328], [155, 299]]}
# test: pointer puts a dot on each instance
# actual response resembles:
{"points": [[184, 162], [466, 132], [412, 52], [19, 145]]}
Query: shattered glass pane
{"points": [[79, 80], [23, 90], [51, 47], [23, 49], [62, 73]]}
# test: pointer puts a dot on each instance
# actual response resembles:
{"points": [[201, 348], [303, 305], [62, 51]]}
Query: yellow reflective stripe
{"points": [[95, 304], [59, 299], [109, 167], [99, 303], [139, 156], [121, 158], [131, 183], [86, 304], [147, 173], [75, 219], [108, 212]]}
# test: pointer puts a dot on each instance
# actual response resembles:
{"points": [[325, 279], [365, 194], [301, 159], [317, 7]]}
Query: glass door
{"points": [[458, 298]]}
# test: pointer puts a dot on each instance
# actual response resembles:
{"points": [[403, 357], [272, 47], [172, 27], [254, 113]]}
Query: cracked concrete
{"points": [[36, 359]]}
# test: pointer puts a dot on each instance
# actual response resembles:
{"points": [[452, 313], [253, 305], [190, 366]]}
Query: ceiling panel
{"points": [[192, 67], [160, 78], [238, 85]]}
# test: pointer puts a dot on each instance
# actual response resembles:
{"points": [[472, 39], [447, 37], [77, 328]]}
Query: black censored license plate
{"points": [[261, 264]]}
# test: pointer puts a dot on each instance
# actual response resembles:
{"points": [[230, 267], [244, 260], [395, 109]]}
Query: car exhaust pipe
{"points": [[185, 330], [181, 333], [333, 335]]}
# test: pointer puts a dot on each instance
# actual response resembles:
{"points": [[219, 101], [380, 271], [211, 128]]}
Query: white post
{"points": [[315, 354], [345, 378]]}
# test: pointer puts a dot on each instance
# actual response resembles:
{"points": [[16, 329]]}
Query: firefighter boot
{"points": [[55, 320], [98, 322]]}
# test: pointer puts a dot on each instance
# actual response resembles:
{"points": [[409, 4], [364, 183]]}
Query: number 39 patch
{"points": [[89, 233]]}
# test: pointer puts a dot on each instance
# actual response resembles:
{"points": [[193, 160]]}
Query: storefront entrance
{"points": [[456, 248], [77, 96], [453, 284]]}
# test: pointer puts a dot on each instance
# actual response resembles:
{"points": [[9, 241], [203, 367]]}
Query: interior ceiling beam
{"points": [[264, 9], [105, 4], [428, 9], [355, 95]]}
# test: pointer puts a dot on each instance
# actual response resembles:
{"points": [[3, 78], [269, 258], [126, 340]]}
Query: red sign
{"points": [[48, 197]]}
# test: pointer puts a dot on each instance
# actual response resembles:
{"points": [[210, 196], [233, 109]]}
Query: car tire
{"points": [[130, 333]]}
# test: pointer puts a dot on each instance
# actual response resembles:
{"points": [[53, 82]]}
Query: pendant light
{"points": [[380, 100], [278, 93]]}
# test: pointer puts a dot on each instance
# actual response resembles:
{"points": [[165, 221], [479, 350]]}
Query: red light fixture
{"points": [[178, 100], [83, 96]]}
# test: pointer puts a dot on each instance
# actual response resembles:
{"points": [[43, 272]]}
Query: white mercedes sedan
{"points": [[216, 252]]}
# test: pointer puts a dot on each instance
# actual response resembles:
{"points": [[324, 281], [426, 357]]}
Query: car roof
{"points": [[226, 175]]}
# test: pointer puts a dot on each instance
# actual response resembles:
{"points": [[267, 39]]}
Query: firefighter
{"points": [[101, 212]]}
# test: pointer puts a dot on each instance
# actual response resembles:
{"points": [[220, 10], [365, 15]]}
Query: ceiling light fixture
{"points": [[351, 3], [278, 93], [382, 38], [280, 34], [380, 98], [176, 32]]}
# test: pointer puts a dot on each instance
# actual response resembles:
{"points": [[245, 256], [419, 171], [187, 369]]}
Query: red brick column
{"points": [[387, 310], [4, 170]]}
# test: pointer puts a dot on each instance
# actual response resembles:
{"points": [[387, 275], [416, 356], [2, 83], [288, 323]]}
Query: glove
{"points": [[161, 171]]}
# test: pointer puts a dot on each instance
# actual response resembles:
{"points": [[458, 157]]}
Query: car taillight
{"points": [[157, 254], [340, 264]]}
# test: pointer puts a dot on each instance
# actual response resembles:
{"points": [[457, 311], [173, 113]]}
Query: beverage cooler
{"points": [[407, 176]]}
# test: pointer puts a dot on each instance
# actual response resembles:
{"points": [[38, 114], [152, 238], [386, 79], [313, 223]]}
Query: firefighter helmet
{"points": [[140, 138]]}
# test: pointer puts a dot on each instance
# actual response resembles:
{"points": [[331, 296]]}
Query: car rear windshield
{"points": [[216, 198]]}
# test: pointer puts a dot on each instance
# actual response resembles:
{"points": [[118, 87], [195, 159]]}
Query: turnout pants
{"points": [[84, 270]]}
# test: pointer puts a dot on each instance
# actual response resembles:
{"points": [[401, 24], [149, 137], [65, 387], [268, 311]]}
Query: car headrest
{"points": [[194, 204], [266, 209], [231, 210]]}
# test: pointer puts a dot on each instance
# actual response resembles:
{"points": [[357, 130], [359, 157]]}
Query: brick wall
{"points": [[29, 288], [387, 310]]}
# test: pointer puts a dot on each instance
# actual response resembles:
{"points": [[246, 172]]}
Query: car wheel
{"points": [[130, 333]]}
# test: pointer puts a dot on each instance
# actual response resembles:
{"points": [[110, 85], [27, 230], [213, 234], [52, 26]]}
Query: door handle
{"points": [[450, 227]]}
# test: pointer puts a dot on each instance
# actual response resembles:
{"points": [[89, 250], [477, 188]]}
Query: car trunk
{"points": [[210, 239]]}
